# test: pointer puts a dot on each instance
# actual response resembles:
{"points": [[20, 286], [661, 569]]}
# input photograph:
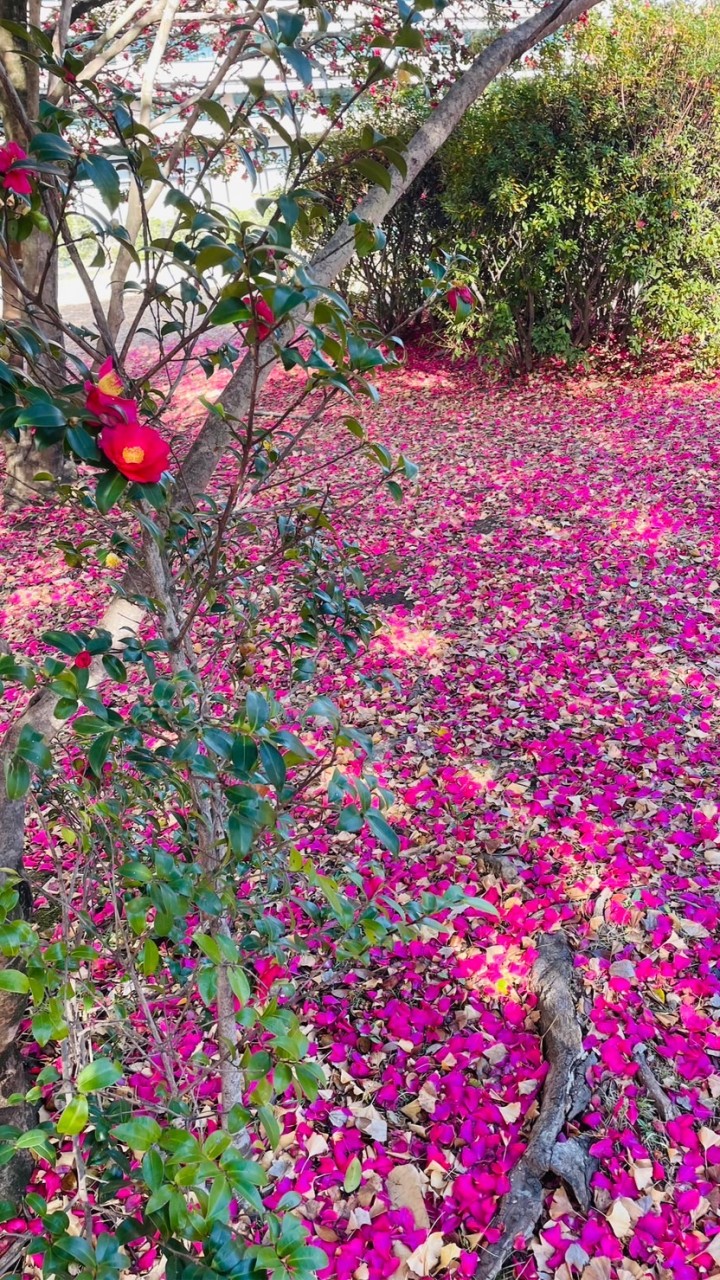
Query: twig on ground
{"points": [[597, 920], [665, 1106]]}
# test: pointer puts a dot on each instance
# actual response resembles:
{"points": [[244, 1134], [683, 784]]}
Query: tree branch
{"points": [[331, 259]]}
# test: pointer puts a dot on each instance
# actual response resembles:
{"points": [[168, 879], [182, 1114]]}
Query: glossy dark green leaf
{"points": [[110, 488], [104, 176], [273, 765], [382, 830], [51, 147], [17, 778]]}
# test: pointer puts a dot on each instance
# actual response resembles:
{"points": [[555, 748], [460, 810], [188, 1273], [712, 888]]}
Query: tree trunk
{"points": [[23, 462]]}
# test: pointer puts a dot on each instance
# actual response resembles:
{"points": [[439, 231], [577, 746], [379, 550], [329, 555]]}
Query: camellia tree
{"points": [[161, 761]]}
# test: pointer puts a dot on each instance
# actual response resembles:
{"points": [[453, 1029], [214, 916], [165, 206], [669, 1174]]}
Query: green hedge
{"points": [[585, 194], [582, 192]]}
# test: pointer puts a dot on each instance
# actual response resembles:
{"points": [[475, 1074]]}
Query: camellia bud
{"points": [[459, 297]]}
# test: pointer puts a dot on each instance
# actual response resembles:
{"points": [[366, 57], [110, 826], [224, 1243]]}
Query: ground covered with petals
{"points": [[549, 670]]}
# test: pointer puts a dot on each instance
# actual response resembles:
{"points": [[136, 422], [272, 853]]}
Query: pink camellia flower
{"points": [[12, 179], [460, 293], [263, 318]]}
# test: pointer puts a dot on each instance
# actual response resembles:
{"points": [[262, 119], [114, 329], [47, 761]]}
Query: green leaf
{"points": [[43, 1027], [136, 910], [14, 980], [139, 1134], [99, 1074], [216, 112], [353, 1175], [149, 957], [98, 753], [109, 489], [29, 35], [268, 1120], [366, 239], [350, 819], [256, 709], [104, 177], [311, 1078], [74, 1118], [158, 1199], [243, 754], [153, 1170], [293, 745], [375, 172], [239, 984], [300, 64], [289, 25], [382, 830], [240, 835], [290, 210], [17, 778], [230, 311], [273, 765], [213, 255], [51, 147], [307, 1260], [325, 709], [218, 741], [65, 641], [42, 415], [83, 444], [115, 668], [219, 1198], [409, 38], [208, 945], [33, 748]]}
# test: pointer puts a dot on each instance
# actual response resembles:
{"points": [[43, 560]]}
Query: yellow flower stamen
{"points": [[110, 384], [133, 454]]}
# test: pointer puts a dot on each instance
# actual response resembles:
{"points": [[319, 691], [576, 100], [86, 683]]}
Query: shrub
{"points": [[585, 194]]}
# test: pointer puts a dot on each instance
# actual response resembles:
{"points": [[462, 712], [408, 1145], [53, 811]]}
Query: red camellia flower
{"points": [[108, 379], [138, 452], [263, 318], [83, 659], [12, 179], [111, 411], [460, 293], [103, 399]]}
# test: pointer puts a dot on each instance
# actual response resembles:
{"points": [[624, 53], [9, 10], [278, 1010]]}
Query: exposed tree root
{"points": [[565, 1094], [507, 868], [665, 1106]]}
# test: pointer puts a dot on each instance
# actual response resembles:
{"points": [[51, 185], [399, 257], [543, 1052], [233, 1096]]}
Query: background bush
{"points": [[583, 193]]}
